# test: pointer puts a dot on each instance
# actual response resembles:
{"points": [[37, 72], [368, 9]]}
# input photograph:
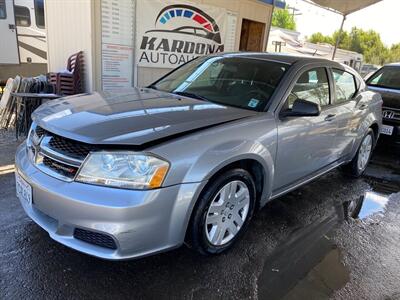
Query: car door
{"points": [[305, 143], [348, 111], [8, 35]]}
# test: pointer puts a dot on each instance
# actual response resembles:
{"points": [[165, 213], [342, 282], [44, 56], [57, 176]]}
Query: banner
{"points": [[169, 33], [117, 44]]}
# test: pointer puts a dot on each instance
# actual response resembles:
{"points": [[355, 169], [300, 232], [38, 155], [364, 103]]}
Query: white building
{"points": [[133, 42]]}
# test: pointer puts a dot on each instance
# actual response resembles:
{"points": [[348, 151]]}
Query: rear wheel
{"points": [[359, 163], [222, 212]]}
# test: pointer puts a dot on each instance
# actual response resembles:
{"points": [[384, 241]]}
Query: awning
{"points": [[345, 7]]}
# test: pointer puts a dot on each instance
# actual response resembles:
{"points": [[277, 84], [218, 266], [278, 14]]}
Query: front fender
{"points": [[224, 154]]}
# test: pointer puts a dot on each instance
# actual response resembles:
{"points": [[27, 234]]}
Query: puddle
{"points": [[373, 203], [307, 266]]}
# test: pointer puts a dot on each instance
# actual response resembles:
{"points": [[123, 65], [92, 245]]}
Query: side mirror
{"points": [[303, 108]]}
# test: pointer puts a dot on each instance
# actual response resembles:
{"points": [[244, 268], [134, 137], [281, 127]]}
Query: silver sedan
{"points": [[191, 158]]}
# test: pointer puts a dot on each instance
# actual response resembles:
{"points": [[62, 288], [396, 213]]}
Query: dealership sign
{"points": [[170, 32]]}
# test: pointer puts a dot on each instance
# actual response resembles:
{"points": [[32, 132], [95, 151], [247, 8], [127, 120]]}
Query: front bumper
{"points": [[140, 222]]}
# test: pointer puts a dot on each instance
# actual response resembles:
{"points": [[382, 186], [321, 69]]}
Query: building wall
{"points": [[70, 25], [245, 9], [74, 25]]}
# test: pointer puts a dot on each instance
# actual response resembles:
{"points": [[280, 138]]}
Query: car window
{"points": [[387, 77], [3, 10], [39, 13], [312, 86], [234, 81], [345, 85], [22, 16]]}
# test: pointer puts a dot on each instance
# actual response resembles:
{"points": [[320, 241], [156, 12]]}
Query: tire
{"points": [[354, 168], [214, 211], [353, 207]]}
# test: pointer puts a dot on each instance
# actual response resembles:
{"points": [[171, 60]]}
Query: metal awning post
{"points": [[338, 38]]}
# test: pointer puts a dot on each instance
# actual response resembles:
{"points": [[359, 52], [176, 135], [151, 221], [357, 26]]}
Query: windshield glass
{"points": [[233, 81], [387, 77]]}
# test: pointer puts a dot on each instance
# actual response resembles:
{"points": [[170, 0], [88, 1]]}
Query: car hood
{"points": [[390, 97], [136, 117]]}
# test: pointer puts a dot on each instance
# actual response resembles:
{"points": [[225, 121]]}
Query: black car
{"points": [[386, 81]]}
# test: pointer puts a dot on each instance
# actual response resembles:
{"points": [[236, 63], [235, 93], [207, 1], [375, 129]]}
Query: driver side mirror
{"points": [[302, 108]]}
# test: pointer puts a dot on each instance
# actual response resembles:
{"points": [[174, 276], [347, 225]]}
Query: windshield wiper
{"points": [[191, 95], [152, 87]]}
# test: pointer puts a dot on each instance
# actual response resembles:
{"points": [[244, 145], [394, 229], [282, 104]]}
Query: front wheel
{"points": [[222, 212], [359, 163]]}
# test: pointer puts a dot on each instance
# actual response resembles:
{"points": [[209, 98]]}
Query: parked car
{"points": [[192, 157], [386, 81], [368, 69]]}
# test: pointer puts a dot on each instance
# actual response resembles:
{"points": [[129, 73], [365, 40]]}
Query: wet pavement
{"points": [[300, 246]]}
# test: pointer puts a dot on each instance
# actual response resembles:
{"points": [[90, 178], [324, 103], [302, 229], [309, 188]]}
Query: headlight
{"points": [[123, 170]]}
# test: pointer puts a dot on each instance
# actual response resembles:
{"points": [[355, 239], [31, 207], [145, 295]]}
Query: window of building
{"points": [[312, 86], [39, 13], [345, 85], [3, 10], [22, 16]]}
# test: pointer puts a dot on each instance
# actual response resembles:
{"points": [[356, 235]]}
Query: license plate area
{"points": [[23, 189], [387, 130]]}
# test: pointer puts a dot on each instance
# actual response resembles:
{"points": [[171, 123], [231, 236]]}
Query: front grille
{"points": [[95, 238], [39, 131], [60, 168], [58, 156], [70, 148]]}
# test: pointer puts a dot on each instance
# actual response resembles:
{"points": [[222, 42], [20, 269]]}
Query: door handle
{"points": [[11, 26], [330, 117], [363, 106]]}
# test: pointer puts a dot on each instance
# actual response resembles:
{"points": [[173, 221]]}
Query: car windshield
{"points": [[387, 77], [234, 81]]}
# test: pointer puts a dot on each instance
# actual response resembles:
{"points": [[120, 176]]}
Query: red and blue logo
{"points": [[197, 22]]}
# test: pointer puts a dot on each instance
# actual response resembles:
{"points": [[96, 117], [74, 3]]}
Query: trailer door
{"points": [[8, 34]]}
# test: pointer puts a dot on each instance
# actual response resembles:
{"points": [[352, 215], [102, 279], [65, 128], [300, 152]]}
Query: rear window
{"points": [[387, 77], [345, 85]]}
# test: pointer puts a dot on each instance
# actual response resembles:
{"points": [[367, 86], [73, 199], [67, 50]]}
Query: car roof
{"points": [[283, 58], [396, 64]]}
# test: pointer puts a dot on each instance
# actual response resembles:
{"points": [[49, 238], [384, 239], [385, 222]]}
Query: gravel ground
{"points": [[284, 254]]}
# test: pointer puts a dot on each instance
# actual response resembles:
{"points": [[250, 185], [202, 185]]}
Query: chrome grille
{"points": [[391, 114], [56, 156], [69, 147], [60, 168]]}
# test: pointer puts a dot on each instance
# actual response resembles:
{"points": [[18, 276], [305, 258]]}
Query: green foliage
{"points": [[368, 43], [283, 19], [320, 38]]}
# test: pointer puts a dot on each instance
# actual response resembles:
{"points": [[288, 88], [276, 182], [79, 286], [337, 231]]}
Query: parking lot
{"points": [[298, 246]]}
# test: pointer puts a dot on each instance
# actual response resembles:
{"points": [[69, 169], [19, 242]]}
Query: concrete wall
{"points": [[70, 26]]}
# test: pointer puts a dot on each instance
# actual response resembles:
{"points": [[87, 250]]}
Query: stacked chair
{"points": [[21, 96], [70, 81]]}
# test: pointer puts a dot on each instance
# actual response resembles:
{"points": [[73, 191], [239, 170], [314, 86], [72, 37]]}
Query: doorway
{"points": [[251, 36]]}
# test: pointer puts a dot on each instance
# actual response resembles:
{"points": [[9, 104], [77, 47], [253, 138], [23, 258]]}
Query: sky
{"points": [[383, 17]]}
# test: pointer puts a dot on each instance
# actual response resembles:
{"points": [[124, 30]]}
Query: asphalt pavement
{"points": [[300, 246]]}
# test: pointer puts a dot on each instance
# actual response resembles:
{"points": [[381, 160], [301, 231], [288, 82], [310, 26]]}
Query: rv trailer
{"points": [[23, 45]]}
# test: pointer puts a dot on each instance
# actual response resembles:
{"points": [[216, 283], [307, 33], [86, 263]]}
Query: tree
{"points": [[283, 19], [320, 38], [368, 43]]}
